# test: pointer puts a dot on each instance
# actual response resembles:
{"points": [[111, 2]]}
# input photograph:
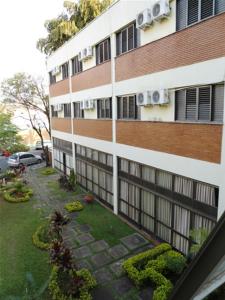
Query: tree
{"points": [[29, 93], [9, 138], [66, 25]]}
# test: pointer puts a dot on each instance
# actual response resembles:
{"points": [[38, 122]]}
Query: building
{"points": [[137, 101]]}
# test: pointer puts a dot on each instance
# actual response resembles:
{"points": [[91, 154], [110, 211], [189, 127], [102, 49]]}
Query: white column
{"points": [[221, 202], [114, 117]]}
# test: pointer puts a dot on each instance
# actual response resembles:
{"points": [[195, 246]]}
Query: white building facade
{"points": [[137, 102]]}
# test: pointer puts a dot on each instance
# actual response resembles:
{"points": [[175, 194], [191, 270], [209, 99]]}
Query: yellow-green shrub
{"points": [[74, 206]]}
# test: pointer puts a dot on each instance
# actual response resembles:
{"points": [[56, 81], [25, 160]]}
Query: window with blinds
{"points": [[65, 70], [77, 65], [103, 52], [192, 11], [67, 110], [78, 112], [200, 104], [127, 108], [104, 108], [126, 39]]}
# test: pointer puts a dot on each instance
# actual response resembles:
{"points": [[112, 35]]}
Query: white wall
{"points": [[117, 16]]}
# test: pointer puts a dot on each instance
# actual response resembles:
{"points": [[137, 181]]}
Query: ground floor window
{"points": [[62, 161]]}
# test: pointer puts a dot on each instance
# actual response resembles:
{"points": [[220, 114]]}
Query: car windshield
{"points": [[14, 156]]}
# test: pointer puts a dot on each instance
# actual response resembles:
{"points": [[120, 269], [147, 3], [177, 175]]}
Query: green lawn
{"points": [[19, 259], [105, 225]]}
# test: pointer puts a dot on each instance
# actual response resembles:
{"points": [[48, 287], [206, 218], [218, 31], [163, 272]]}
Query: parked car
{"points": [[46, 143], [23, 158]]}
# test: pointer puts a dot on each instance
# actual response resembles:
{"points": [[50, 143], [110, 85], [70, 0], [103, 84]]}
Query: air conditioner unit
{"points": [[82, 104], [80, 56], [89, 104], [56, 71], [144, 19], [159, 97], [143, 98], [160, 10], [87, 52]]}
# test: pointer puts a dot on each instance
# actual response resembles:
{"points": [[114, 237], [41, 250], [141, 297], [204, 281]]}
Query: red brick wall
{"points": [[98, 129], [96, 76], [59, 88], [61, 124], [198, 141], [197, 43]]}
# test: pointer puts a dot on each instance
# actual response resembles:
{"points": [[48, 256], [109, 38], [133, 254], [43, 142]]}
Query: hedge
{"points": [[36, 238], [73, 206], [7, 195], [56, 292]]}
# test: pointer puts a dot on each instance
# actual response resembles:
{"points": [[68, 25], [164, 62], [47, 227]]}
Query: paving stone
{"points": [[118, 251], [99, 246], [84, 264], [122, 285], [103, 276], [101, 259], [146, 294], [116, 268], [81, 252], [83, 228], [102, 293], [84, 238], [134, 241]]}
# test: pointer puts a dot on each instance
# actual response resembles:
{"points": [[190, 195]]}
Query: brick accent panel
{"points": [[98, 129], [61, 124], [198, 141], [200, 42], [96, 76], [59, 88]]}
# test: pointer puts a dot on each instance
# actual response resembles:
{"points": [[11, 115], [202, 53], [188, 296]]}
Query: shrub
{"points": [[74, 206], [17, 193], [152, 265], [83, 290], [72, 178], [48, 171], [40, 236]]}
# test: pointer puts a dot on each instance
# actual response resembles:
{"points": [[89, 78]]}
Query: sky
{"points": [[21, 25]]}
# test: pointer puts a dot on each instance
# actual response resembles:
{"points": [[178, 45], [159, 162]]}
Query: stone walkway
{"points": [[103, 261]]}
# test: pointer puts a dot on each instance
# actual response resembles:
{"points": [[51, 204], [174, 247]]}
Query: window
{"points": [[200, 104], [104, 108], [65, 70], [78, 112], [67, 110], [193, 11], [77, 66], [126, 39], [103, 52], [52, 78], [127, 108], [54, 112]]}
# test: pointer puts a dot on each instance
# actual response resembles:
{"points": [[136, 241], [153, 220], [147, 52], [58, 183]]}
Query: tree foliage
{"points": [[67, 24], [9, 138]]}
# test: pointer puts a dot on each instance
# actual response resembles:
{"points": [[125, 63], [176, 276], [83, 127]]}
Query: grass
{"points": [[56, 190], [19, 258], [105, 225], [47, 171]]}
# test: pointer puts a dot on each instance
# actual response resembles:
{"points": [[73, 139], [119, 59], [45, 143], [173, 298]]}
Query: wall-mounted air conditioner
{"points": [[56, 70], [159, 97], [144, 19], [160, 10], [58, 107], [89, 104], [87, 52], [143, 98]]}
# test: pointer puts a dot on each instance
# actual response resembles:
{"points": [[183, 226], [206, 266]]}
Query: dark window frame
{"points": [[127, 108], [188, 105], [104, 108], [65, 70], [103, 51], [52, 78], [54, 113], [122, 39], [78, 113], [77, 66], [67, 110]]}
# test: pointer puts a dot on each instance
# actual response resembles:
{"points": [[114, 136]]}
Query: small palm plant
{"points": [[198, 236]]}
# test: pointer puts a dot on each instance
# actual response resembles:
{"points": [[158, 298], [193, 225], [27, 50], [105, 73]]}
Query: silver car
{"points": [[23, 159]]}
